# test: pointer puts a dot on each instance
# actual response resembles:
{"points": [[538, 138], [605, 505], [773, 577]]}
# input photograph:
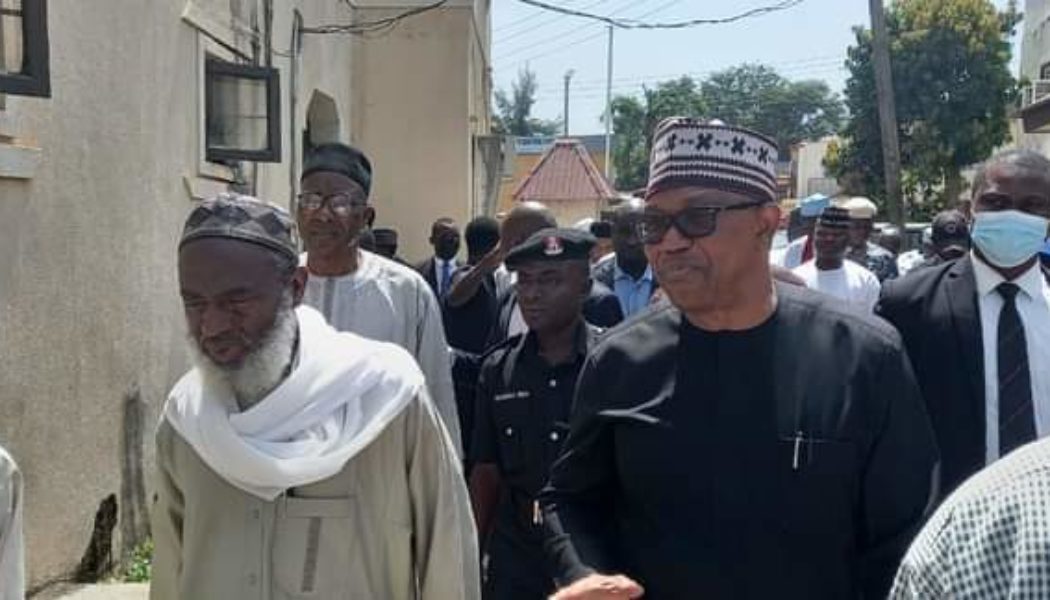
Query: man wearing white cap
{"points": [[862, 251], [746, 439], [294, 460]]}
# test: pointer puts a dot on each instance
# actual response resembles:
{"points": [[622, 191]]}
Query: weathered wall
{"points": [[418, 102], [1035, 52], [810, 175], [90, 323]]}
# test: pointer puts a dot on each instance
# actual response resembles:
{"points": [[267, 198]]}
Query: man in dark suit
{"points": [[627, 272], [977, 329], [438, 269]]}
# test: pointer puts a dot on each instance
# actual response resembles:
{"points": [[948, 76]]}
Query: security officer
{"points": [[524, 397]]}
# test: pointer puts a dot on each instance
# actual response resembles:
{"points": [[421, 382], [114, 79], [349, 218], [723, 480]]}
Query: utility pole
{"points": [[891, 155], [565, 124], [608, 109]]}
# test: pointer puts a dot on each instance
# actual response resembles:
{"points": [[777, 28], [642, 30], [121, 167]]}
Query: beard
{"points": [[262, 369]]}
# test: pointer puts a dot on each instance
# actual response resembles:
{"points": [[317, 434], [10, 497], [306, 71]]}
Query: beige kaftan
{"points": [[394, 524], [389, 302]]}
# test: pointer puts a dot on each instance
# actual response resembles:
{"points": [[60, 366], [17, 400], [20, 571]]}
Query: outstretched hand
{"points": [[601, 587]]}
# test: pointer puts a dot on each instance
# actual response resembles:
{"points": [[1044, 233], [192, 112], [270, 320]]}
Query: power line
{"points": [[539, 13], [802, 75], [532, 44], [635, 90], [638, 24], [598, 34], [379, 26], [802, 70], [553, 19], [780, 67]]}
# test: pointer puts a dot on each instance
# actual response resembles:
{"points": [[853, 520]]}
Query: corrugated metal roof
{"points": [[565, 173]]}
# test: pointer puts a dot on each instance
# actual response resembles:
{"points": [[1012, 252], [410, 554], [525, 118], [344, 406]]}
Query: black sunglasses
{"points": [[691, 222]]}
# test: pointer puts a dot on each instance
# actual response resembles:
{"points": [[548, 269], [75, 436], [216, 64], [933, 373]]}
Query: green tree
{"points": [[514, 111], [635, 119], [757, 97], [952, 86], [753, 96]]}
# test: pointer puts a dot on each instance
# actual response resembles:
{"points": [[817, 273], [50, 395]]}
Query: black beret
{"points": [[601, 229], [550, 245], [950, 227], [342, 159]]}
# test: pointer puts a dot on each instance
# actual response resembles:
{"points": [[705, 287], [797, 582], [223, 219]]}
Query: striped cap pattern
{"points": [[690, 152]]}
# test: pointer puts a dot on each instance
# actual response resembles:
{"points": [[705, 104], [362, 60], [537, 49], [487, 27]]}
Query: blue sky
{"points": [[808, 41]]}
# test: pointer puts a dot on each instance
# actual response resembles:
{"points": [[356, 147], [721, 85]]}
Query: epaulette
{"points": [[505, 344]]}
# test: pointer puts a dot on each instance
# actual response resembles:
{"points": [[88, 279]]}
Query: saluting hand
{"points": [[601, 587], [491, 261]]}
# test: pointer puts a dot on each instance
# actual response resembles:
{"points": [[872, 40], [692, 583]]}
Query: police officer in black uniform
{"points": [[522, 413]]}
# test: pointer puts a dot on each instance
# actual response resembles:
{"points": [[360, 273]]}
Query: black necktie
{"points": [[1016, 419]]}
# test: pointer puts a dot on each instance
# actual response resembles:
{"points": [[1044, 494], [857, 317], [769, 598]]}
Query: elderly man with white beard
{"points": [[294, 460]]}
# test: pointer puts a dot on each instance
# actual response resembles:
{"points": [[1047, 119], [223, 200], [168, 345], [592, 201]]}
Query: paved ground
{"points": [[100, 592]]}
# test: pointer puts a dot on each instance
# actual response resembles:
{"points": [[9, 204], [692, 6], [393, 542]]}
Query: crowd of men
{"points": [[656, 405]]}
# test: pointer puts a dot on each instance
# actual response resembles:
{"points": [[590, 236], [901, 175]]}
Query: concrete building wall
{"points": [[1035, 53], [810, 175], [1035, 41], [96, 181], [421, 95]]}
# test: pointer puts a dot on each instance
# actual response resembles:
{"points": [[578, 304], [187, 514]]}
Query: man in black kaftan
{"points": [[750, 440]]}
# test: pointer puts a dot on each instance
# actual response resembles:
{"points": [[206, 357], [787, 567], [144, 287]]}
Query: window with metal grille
{"points": [[242, 112], [24, 61]]}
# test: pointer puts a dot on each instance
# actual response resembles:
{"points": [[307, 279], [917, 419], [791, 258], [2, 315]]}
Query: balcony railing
{"points": [[1035, 91]]}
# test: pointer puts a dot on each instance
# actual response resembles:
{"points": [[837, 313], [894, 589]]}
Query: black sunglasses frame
{"points": [[676, 220]]}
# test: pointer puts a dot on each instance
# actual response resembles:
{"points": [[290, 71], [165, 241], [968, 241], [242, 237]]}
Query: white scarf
{"points": [[342, 394]]}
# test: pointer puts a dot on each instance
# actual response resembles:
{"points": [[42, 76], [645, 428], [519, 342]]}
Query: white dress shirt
{"points": [[439, 265], [1033, 305], [851, 283]]}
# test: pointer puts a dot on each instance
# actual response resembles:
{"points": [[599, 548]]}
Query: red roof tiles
{"points": [[565, 173]]}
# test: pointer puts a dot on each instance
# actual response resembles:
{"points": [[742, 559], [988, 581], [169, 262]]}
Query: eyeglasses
{"points": [[340, 203], [691, 222]]}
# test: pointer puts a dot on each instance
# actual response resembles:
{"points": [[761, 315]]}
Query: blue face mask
{"points": [[1008, 238]]}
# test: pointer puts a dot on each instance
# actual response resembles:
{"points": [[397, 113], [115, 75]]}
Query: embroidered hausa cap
{"points": [[692, 152], [243, 218], [549, 245]]}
